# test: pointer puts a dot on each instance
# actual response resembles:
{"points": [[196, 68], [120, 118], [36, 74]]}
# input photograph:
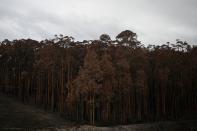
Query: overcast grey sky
{"points": [[155, 21]]}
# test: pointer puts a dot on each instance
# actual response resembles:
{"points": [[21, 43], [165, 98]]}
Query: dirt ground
{"points": [[15, 116]]}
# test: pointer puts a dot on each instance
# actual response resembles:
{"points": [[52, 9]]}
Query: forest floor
{"points": [[16, 116]]}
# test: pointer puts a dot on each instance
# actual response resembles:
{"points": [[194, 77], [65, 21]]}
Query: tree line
{"points": [[102, 81]]}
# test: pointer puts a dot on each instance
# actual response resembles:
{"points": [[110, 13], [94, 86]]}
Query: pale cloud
{"points": [[155, 21]]}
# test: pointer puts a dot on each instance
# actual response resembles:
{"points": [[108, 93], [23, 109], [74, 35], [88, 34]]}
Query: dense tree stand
{"points": [[102, 81]]}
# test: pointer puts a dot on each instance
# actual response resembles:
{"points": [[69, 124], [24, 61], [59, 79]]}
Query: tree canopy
{"points": [[102, 81]]}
